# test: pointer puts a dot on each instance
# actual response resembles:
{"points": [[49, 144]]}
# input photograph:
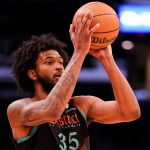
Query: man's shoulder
{"points": [[81, 102], [19, 102], [17, 105], [82, 98], [84, 102]]}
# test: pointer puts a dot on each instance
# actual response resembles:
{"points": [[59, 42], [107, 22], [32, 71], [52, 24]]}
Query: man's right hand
{"points": [[81, 33]]}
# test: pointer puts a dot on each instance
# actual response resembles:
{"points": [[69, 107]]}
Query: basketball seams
{"points": [[106, 15], [107, 31]]}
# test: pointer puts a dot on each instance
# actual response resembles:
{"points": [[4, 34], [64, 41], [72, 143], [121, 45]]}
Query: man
{"points": [[52, 118]]}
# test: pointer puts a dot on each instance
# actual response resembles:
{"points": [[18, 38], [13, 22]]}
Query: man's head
{"points": [[40, 59]]}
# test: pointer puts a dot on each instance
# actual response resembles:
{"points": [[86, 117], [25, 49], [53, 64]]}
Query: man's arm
{"points": [[53, 106], [125, 106]]}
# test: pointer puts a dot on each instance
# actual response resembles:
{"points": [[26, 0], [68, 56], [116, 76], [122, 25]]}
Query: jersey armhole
{"points": [[32, 132], [82, 113]]}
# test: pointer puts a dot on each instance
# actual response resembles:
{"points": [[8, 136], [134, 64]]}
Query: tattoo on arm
{"points": [[29, 120], [27, 116], [68, 81]]}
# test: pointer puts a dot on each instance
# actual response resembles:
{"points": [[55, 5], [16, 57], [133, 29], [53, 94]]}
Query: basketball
{"points": [[108, 20]]}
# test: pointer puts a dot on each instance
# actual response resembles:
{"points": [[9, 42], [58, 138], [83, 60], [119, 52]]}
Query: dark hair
{"points": [[26, 55]]}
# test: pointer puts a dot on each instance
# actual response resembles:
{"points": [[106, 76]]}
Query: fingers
{"points": [[95, 28], [87, 19], [78, 24], [83, 22]]}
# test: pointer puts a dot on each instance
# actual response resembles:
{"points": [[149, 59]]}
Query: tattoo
{"points": [[68, 81], [29, 120], [27, 116], [16, 111], [64, 88]]}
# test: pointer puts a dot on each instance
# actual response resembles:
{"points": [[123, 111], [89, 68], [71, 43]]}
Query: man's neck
{"points": [[39, 93]]}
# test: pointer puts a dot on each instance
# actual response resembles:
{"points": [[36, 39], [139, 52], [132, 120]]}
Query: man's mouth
{"points": [[57, 75]]}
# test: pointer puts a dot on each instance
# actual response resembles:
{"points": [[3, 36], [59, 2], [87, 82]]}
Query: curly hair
{"points": [[26, 54]]}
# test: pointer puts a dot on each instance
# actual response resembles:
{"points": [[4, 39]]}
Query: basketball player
{"points": [[52, 119]]}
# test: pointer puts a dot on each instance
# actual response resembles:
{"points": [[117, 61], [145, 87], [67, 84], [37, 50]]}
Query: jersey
{"points": [[69, 132]]}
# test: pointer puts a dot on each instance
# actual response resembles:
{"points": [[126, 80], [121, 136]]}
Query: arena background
{"points": [[21, 18]]}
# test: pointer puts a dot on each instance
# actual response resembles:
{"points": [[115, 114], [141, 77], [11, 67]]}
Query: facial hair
{"points": [[47, 86]]}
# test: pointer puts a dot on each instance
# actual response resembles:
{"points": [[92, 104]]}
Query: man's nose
{"points": [[59, 66]]}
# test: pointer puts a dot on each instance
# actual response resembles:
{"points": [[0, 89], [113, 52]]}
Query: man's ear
{"points": [[32, 74]]}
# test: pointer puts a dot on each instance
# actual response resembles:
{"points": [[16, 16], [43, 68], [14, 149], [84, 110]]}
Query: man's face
{"points": [[49, 68]]}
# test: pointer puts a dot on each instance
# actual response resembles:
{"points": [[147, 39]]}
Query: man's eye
{"points": [[61, 62], [49, 62]]}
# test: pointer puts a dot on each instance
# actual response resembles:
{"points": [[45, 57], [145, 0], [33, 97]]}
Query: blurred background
{"points": [[21, 19]]}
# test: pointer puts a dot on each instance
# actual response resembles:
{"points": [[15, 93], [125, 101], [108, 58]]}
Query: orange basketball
{"points": [[109, 23]]}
